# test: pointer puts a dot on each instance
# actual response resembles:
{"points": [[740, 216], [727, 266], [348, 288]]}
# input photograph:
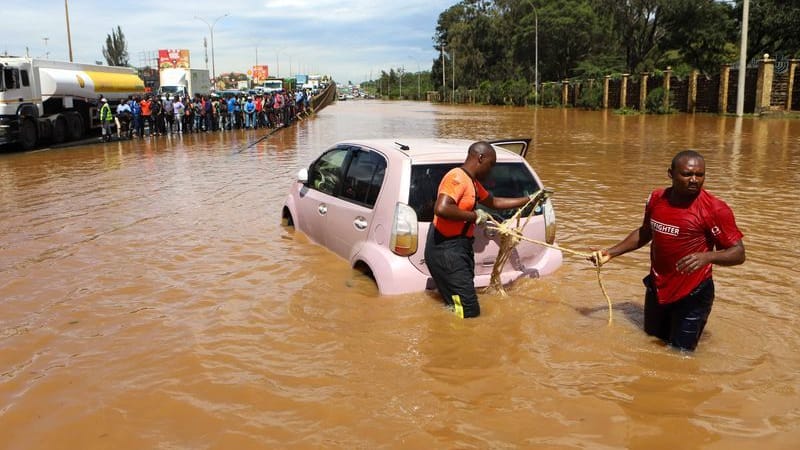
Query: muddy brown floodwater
{"points": [[150, 299]]}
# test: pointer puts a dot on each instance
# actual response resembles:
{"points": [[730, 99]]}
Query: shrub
{"points": [[551, 95], [516, 91], [654, 103], [591, 97]]}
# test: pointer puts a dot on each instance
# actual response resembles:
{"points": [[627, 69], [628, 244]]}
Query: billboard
{"points": [[260, 73], [173, 59]]}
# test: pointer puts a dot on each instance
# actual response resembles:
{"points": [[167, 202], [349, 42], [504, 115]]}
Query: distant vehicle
{"points": [[228, 93], [52, 101], [371, 202], [184, 82], [272, 85]]}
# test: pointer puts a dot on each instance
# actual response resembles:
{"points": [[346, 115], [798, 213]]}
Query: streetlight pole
{"points": [[444, 78], [401, 82], [211, 32], [742, 60], [418, 92], [453, 54], [69, 36], [536, 53]]}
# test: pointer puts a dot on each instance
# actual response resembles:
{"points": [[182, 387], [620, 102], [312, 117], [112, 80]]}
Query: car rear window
{"points": [[505, 180]]}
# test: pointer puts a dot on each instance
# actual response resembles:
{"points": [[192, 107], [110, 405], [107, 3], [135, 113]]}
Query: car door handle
{"points": [[360, 223], [323, 209]]}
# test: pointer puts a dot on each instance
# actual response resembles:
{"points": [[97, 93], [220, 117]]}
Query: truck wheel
{"points": [[60, 130], [74, 126], [27, 134]]}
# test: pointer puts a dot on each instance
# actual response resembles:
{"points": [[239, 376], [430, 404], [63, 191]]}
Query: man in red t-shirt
{"points": [[690, 230], [448, 250]]}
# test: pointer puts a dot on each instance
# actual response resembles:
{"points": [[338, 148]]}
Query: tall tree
{"points": [[700, 33], [116, 49], [774, 27], [639, 29]]}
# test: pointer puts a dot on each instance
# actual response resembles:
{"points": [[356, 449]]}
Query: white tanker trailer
{"points": [[44, 101]]}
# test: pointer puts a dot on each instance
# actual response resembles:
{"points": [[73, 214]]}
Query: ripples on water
{"points": [[150, 299]]}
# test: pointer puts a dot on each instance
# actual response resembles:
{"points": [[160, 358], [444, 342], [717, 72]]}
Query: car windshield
{"points": [[505, 180]]}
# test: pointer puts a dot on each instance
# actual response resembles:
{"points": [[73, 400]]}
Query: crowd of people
{"points": [[152, 115]]}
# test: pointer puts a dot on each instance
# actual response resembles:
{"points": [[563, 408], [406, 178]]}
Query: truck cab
{"points": [[19, 107], [273, 85]]}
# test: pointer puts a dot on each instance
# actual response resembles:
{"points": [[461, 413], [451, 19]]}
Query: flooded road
{"points": [[149, 298]]}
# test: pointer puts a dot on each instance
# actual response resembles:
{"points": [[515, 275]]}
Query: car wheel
{"points": [[60, 130], [363, 279], [286, 218], [74, 126], [27, 134]]}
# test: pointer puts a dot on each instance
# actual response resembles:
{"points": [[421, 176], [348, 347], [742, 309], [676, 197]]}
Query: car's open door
{"points": [[518, 146]]}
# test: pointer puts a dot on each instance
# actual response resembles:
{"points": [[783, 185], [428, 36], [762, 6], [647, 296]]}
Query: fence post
{"points": [[623, 91], [691, 101], [766, 69], [606, 81], [790, 86], [724, 78], [643, 92], [667, 76]]}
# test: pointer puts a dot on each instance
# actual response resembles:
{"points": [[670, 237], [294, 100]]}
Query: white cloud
{"points": [[344, 39]]}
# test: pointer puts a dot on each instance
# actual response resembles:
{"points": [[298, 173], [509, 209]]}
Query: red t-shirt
{"points": [[457, 185], [705, 224]]}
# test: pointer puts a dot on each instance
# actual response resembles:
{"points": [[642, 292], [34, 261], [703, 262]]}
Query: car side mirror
{"points": [[302, 175]]}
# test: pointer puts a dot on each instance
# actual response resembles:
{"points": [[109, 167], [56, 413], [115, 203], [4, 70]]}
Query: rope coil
{"points": [[511, 236]]}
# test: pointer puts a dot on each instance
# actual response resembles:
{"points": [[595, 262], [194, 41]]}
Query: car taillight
{"points": [[549, 222], [404, 231]]}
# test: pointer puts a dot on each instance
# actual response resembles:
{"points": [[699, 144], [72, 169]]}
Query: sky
{"points": [[350, 40]]}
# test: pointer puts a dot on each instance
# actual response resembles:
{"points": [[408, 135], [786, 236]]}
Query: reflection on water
{"points": [[150, 299]]}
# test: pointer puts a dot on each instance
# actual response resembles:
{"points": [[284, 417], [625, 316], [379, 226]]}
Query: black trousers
{"points": [[680, 323], [451, 262]]}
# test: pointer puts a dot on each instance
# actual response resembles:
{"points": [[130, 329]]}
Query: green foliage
{"points": [[511, 92], [654, 103], [591, 96], [116, 49], [497, 41], [626, 111], [773, 27], [516, 92], [551, 95]]}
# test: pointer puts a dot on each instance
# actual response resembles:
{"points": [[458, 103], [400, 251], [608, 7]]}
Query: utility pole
{"points": [[401, 82], [742, 61], [46, 53], [69, 36], [205, 48], [419, 94], [453, 99], [211, 32], [444, 81]]}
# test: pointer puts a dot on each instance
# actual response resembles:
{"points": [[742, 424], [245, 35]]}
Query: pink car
{"points": [[371, 202]]}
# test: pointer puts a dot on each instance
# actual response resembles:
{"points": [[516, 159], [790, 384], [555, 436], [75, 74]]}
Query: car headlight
{"points": [[549, 222]]}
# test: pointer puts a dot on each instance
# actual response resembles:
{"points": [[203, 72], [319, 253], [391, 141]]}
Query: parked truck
{"points": [[272, 85], [180, 81], [45, 101]]}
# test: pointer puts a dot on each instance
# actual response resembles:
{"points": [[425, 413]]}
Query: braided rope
{"points": [[511, 236]]}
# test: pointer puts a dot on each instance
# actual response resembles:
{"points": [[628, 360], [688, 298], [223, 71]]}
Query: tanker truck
{"points": [[44, 101]]}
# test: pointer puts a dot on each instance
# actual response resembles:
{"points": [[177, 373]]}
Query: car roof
{"points": [[422, 151]]}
